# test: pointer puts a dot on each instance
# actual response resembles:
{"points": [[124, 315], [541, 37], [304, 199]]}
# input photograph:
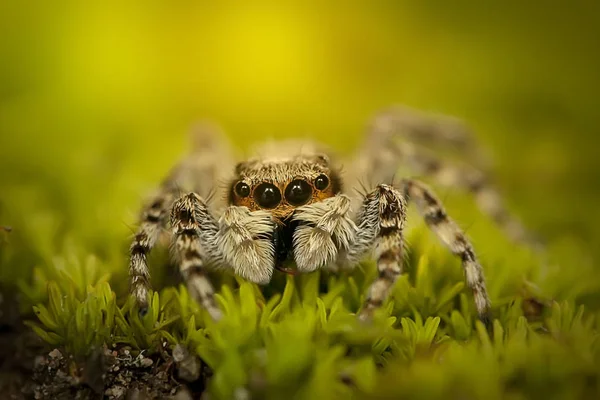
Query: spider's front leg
{"points": [[327, 234], [380, 226], [193, 226], [240, 240]]}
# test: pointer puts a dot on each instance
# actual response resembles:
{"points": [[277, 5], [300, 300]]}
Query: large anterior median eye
{"points": [[298, 192], [267, 195]]}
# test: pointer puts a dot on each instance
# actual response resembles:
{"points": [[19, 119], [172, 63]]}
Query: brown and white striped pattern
{"points": [[189, 253], [381, 225], [153, 222], [400, 137], [198, 172], [467, 178], [422, 127], [453, 237]]}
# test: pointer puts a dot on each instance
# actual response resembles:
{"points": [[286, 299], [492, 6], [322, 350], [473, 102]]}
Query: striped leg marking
{"points": [[403, 137], [384, 209], [153, 221], [187, 249], [453, 237], [467, 178]]}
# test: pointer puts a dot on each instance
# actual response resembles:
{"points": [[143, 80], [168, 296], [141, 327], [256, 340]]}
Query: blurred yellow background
{"points": [[93, 91]]}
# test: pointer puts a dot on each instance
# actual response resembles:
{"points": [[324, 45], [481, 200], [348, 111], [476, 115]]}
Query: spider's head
{"points": [[282, 185]]}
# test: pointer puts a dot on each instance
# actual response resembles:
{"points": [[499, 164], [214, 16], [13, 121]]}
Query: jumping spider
{"points": [[289, 206]]}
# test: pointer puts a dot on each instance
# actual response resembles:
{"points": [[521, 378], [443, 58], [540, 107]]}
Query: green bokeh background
{"points": [[96, 98]]}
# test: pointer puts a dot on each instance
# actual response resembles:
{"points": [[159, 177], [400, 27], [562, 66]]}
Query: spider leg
{"points": [[153, 222], [421, 127], [327, 233], [380, 226], [190, 219], [453, 237], [377, 160], [470, 179], [240, 240], [199, 166], [384, 153]]}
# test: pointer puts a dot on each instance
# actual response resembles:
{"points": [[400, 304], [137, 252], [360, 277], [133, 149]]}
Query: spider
{"points": [[288, 205]]}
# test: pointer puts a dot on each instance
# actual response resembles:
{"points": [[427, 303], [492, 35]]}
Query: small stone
{"points": [[161, 376], [183, 394], [146, 362], [134, 394], [39, 361], [188, 365], [116, 391], [55, 354]]}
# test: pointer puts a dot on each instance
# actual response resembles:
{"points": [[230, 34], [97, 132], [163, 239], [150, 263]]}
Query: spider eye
{"points": [[242, 189], [267, 195], [298, 192], [322, 182]]}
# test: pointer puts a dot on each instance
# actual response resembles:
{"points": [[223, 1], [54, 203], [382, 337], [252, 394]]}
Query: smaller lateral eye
{"points": [[322, 182], [242, 189]]}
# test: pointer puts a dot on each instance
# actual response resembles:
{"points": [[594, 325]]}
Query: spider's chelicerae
{"points": [[291, 205]]}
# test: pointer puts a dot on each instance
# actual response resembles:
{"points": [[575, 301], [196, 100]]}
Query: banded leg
{"points": [[377, 162], [391, 145], [327, 233], [197, 167], [153, 222], [240, 240], [453, 237], [421, 127], [189, 252], [381, 224], [467, 178]]}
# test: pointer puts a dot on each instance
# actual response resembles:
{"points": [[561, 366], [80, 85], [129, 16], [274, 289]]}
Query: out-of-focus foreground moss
{"points": [[95, 102]]}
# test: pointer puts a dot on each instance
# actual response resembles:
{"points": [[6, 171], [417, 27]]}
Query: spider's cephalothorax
{"points": [[287, 207], [281, 186]]}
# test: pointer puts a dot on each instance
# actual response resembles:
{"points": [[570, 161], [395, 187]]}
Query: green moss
{"points": [[299, 337]]}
